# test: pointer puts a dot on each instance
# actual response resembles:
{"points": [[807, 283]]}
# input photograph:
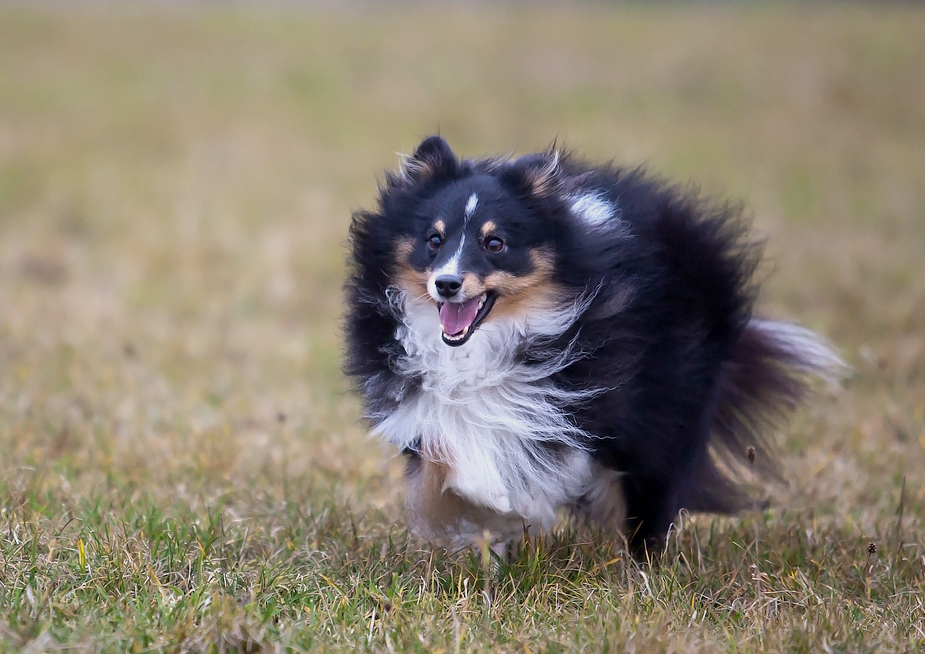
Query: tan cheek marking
{"points": [[472, 286], [547, 296], [403, 250], [508, 284], [409, 279], [518, 295], [413, 283]]}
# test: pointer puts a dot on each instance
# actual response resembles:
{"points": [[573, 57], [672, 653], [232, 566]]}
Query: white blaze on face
{"points": [[471, 204], [451, 267]]}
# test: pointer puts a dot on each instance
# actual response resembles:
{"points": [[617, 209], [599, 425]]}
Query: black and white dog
{"points": [[536, 334]]}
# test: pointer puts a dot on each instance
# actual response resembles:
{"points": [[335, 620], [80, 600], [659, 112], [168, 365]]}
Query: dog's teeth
{"points": [[455, 337]]}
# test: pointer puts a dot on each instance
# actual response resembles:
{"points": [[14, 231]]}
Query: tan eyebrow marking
{"points": [[487, 228], [440, 226]]}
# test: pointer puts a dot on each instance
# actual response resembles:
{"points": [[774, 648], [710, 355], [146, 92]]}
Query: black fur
{"points": [[692, 381]]}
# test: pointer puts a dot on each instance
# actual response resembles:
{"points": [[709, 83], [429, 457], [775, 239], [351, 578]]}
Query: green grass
{"points": [[181, 462]]}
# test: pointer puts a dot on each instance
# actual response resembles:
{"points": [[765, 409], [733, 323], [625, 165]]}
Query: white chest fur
{"points": [[489, 418]]}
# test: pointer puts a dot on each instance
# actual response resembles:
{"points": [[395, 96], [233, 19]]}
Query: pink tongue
{"points": [[456, 316]]}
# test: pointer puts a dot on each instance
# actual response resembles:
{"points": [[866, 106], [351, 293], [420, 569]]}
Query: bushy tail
{"points": [[767, 376]]}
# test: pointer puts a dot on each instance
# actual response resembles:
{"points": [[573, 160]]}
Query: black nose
{"points": [[448, 285]]}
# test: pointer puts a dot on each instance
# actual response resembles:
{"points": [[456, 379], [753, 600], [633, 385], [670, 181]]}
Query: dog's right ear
{"points": [[537, 175], [433, 159]]}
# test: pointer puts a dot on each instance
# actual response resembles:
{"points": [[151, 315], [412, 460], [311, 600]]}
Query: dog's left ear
{"points": [[537, 175], [433, 159]]}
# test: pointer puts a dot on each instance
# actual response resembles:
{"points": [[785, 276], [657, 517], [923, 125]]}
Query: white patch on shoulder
{"points": [[471, 204], [495, 422], [594, 209]]}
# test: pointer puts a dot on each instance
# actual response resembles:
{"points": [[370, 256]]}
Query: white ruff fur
{"points": [[486, 416]]}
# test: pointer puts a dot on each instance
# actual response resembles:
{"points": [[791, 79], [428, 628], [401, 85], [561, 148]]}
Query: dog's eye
{"points": [[494, 244], [434, 241]]}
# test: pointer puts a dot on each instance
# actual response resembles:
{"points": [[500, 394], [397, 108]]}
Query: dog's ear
{"points": [[433, 159], [537, 175]]}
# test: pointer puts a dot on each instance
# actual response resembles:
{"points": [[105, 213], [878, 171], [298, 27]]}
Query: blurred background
{"points": [[176, 184]]}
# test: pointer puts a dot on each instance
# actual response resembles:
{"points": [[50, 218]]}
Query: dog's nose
{"points": [[448, 285]]}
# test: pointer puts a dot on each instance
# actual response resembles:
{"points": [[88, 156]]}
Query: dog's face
{"points": [[478, 253]]}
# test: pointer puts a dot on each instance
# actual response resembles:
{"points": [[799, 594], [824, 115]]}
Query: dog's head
{"points": [[477, 245]]}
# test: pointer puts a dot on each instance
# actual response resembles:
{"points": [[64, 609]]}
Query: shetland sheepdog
{"points": [[538, 335]]}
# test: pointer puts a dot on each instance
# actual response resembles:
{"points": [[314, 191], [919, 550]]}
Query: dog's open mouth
{"points": [[458, 320]]}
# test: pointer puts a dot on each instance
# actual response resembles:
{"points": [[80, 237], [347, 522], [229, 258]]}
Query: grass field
{"points": [[181, 462]]}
